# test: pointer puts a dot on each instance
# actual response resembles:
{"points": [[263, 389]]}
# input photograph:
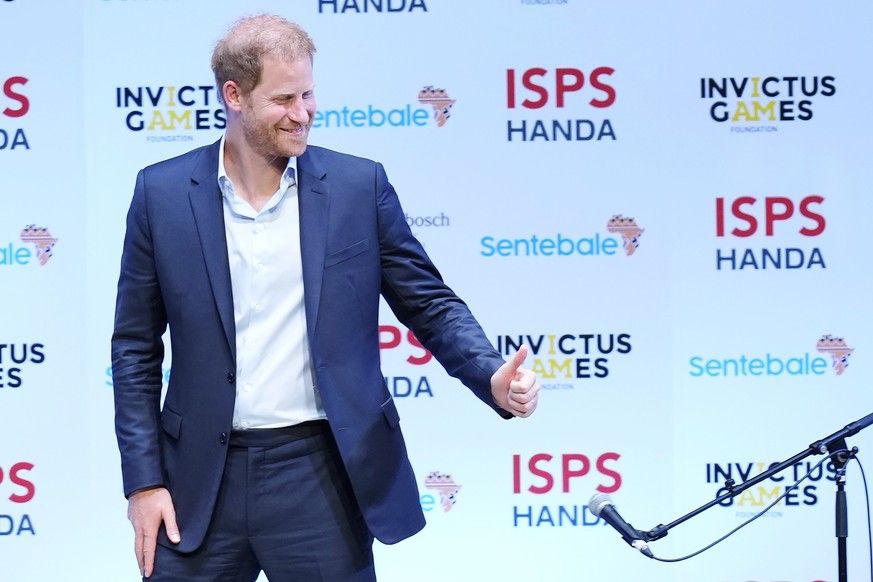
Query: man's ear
{"points": [[232, 96]]}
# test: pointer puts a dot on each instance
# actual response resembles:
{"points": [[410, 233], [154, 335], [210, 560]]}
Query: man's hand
{"points": [[146, 510], [515, 389]]}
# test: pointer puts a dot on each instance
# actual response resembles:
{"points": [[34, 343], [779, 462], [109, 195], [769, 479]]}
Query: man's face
{"points": [[277, 114]]}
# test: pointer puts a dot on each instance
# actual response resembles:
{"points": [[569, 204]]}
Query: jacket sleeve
{"points": [[416, 293], [138, 351]]}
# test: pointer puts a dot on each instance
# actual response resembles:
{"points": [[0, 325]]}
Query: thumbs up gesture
{"points": [[515, 389]]}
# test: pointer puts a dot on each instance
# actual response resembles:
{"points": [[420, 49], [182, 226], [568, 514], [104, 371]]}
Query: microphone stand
{"points": [[830, 444]]}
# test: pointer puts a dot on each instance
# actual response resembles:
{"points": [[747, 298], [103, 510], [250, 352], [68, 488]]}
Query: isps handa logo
{"points": [[407, 379], [753, 500], [35, 245], [835, 354], [14, 105], [560, 244], [570, 104], [547, 487], [787, 226], [757, 104], [170, 113], [431, 107], [17, 489], [560, 359]]}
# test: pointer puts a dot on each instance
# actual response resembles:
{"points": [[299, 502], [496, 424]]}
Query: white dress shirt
{"points": [[275, 385]]}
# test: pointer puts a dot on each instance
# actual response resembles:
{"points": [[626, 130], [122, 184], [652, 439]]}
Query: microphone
{"points": [[601, 506]]}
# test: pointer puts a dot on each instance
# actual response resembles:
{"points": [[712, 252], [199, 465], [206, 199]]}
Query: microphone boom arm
{"points": [[832, 444]]}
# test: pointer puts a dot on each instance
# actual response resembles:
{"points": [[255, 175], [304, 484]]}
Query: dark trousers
{"points": [[285, 507]]}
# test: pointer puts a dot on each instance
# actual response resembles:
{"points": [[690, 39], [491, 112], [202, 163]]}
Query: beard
{"points": [[285, 139]]}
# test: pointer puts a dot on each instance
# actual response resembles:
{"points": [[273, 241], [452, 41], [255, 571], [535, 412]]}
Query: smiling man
{"points": [[277, 447]]}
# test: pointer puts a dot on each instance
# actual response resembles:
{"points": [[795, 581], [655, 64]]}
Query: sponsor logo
{"points": [[14, 105], [753, 500], [758, 104], [170, 113], [444, 486], [437, 106], [15, 358], [17, 488], [768, 364], [747, 218], [548, 481], [568, 245], [33, 241], [559, 359], [837, 349], [412, 384], [556, 91], [369, 6]]}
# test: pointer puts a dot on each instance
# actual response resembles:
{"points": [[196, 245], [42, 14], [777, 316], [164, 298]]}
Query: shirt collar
{"points": [[226, 186]]}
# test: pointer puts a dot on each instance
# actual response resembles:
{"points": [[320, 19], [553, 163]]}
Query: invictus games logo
{"points": [[437, 105], [15, 358], [771, 218], [445, 486], [757, 498], [14, 105], [170, 113], [753, 104], [572, 101], [35, 241], [559, 359], [773, 364]]}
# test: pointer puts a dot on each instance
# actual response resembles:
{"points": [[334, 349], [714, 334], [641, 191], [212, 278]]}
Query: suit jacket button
{"points": [[230, 377], [222, 438]]}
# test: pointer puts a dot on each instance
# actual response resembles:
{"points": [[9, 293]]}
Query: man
{"points": [[278, 446]]}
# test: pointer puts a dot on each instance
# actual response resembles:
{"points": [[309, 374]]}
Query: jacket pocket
{"points": [[347, 253], [171, 422], [391, 414]]}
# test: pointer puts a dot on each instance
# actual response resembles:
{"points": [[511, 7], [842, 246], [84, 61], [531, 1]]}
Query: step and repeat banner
{"points": [[668, 202]]}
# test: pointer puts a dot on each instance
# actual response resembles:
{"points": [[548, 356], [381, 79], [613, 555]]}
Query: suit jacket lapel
{"points": [[314, 201], [206, 203]]}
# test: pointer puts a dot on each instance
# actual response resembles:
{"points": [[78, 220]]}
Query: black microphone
{"points": [[601, 506]]}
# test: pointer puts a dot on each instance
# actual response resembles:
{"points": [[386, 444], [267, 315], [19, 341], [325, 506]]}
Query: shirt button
{"points": [[247, 387], [259, 307], [244, 424], [222, 438], [259, 227]]}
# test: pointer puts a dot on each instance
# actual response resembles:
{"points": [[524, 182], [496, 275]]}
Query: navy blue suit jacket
{"points": [[355, 245]]}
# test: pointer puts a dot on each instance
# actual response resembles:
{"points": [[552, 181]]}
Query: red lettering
{"points": [[9, 92], [419, 360], [569, 473], [607, 472], [394, 337], [719, 217], [814, 216], [567, 80], [562, 87], [527, 82], [573, 466], [771, 214], [597, 84], [736, 210], [545, 475], [15, 477]]}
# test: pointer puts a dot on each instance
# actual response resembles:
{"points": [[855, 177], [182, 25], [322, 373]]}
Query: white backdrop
{"points": [[736, 138]]}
